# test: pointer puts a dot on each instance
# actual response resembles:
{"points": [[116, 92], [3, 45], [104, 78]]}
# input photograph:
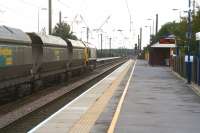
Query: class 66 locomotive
{"points": [[30, 60]]}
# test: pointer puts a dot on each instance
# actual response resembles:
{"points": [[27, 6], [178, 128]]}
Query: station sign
{"points": [[198, 36], [191, 58]]}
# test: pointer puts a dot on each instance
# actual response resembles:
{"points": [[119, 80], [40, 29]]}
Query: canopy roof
{"points": [[158, 45]]}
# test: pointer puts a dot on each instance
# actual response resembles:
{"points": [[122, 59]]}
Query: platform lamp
{"points": [[175, 9], [198, 62], [39, 17], [150, 34], [150, 19], [189, 36]]}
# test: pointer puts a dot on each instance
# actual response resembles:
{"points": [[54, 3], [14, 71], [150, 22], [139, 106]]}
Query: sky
{"points": [[23, 14]]}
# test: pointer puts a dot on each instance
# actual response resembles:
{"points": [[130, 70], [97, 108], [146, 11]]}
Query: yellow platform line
{"points": [[86, 122], [119, 106]]}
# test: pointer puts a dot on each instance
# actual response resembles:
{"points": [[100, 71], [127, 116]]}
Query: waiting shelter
{"points": [[160, 53]]}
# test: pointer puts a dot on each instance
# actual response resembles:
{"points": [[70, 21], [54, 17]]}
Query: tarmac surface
{"points": [[158, 102]]}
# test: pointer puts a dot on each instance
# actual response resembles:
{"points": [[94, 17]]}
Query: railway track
{"points": [[7, 96], [24, 114]]}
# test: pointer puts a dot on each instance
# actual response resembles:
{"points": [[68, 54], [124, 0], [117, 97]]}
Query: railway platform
{"points": [[158, 102], [135, 98]]}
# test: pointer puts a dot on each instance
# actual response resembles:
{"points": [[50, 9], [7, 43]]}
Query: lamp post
{"points": [[149, 19], [110, 39], [189, 35], [39, 17], [198, 62], [175, 9], [149, 34], [87, 33], [82, 33], [99, 33], [50, 16], [121, 40], [125, 43]]}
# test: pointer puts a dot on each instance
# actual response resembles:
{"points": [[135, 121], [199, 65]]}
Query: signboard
{"points": [[167, 41], [186, 58], [198, 36]]}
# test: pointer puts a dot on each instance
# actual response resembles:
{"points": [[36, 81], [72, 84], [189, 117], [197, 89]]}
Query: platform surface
{"points": [[158, 102], [80, 114]]}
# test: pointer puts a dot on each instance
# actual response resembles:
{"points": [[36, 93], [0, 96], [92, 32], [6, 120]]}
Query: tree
{"points": [[63, 30], [179, 30], [195, 29]]}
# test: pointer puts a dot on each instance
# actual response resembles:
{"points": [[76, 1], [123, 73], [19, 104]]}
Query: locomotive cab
{"points": [[91, 54]]}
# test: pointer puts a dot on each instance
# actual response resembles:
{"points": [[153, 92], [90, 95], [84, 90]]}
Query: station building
{"points": [[161, 53]]}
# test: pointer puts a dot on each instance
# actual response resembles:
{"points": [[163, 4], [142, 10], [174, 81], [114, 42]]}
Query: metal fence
{"points": [[180, 67]]}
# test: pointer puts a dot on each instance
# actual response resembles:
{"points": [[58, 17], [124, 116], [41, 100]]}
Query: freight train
{"points": [[28, 60]]}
